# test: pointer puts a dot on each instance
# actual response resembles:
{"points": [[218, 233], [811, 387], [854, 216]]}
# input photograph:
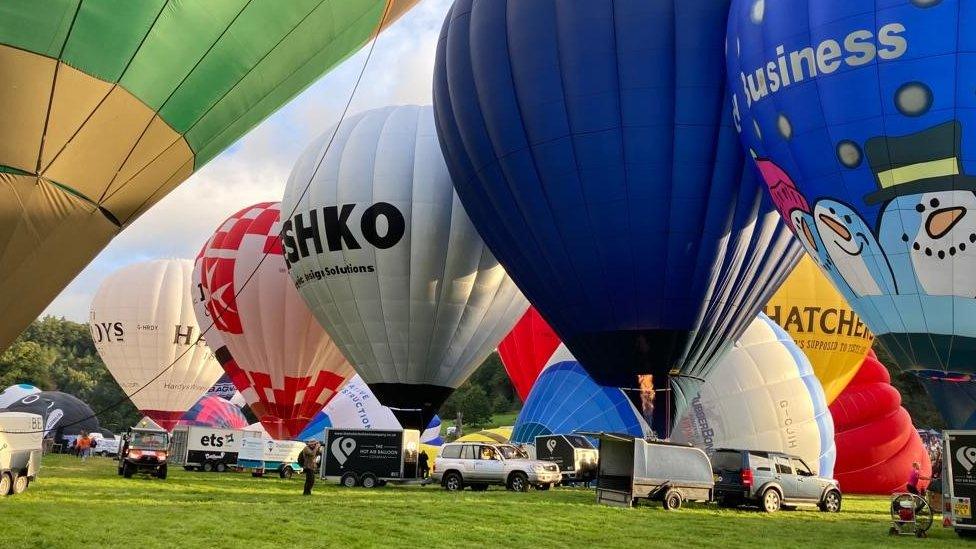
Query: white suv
{"points": [[478, 464]]}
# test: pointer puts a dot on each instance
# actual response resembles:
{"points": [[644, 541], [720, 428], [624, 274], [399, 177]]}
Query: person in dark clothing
{"points": [[422, 464], [309, 459]]}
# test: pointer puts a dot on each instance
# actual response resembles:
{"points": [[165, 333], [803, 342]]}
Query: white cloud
{"points": [[255, 168]]}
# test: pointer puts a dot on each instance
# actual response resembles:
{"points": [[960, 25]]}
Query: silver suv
{"points": [[770, 480], [478, 464]]}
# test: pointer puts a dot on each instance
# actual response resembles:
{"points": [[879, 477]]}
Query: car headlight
{"points": [[539, 468], [135, 454]]}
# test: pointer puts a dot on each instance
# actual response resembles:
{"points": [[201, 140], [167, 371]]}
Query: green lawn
{"points": [[78, 504]]}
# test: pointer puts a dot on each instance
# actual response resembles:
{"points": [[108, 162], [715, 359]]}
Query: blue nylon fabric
{"points": [[565, 399], [876, 136], [592, 145], [955, 400]]}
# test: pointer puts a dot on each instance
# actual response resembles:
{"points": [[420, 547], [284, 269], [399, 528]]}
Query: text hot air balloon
{"points": [[763, 396], [860, 116], [107, 106], [526, 350], [385, 256], [144, 329], [277, 355], [592, 145], [822, 324]]}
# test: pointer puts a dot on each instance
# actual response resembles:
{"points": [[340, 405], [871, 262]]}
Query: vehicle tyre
{"points": [[965, 533], [770, 501], [120, 470], [349, 480], [518, 482], [479, 487], [127, 470], [161, 473], [672, 500], [20, 484], [368, 480], [543, 487], [286, 472], [453, 482], [6, 484], [207, 467], [831, 502], [220, 467]]}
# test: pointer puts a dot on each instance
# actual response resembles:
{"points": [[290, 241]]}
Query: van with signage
{"points": [[575, 455], [369, 457], [959, 480], [206, 448], [20, 451], [260, 454]]}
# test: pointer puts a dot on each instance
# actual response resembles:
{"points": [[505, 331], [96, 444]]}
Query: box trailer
{"points": [[368, 457], [20, 450], [205, 448], [631, 468], [959, 480], [574, 454], [262, 454]]}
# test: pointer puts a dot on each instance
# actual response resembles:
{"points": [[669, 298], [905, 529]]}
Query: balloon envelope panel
{"points": [[763, 396], [16, 392], [387, 259], [64, 414], [144, 329], [822, 324], [593, 147], [565, 399], [283, 363], [213, 411], [954, 396], [525, 351], [876, 442], [95, 131], [860, 116]]}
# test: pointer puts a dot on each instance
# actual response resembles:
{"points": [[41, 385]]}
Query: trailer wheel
{"points": [[286, 472], [672, 500], [518, 482], [220, 467], [368, 480], [6, 484], [20, 484], [349, 479], [207, 467]]}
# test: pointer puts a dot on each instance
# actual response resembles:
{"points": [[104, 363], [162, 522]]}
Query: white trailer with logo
{"points": [[959, 480], [20, 450], [262, 454], [205, 448]]}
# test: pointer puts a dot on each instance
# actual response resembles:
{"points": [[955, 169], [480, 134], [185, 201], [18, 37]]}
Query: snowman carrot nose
{"points": [[835, 226], [942, 221]]}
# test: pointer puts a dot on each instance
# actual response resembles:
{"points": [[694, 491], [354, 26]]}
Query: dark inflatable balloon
{"points": [[214, 411], [565, 399], [64, 414], [861, 116], [592, 145], [954, 396]]}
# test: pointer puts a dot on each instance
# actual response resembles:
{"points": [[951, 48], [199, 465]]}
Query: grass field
{"points": [[78, 504]]}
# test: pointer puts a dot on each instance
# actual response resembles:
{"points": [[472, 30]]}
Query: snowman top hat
{"points": [[921, 162]]}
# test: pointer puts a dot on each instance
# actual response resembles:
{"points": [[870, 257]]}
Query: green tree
{"points": [[472, 402]]}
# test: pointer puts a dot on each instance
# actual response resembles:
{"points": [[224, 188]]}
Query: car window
{"points": [[487, 453], [801, 468], [451, 452], [783, 466], [760, 462], [726, 460], [469, 451]]}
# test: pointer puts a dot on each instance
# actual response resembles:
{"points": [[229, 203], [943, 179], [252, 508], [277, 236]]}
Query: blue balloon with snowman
{"points": [[860, 116]]}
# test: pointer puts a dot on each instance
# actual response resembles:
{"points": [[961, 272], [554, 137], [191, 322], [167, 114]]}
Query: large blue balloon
{"points": [[954, 396], [592, 144], [565, 399], [861, 115]]}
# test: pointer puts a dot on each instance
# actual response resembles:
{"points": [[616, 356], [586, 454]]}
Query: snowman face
{"points": [[851, 247], [939, 230]]}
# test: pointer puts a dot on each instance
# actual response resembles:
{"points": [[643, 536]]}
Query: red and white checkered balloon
{"points": [[279, 358]]}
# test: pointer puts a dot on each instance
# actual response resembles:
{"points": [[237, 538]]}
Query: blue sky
{"points": [[255, 168]]}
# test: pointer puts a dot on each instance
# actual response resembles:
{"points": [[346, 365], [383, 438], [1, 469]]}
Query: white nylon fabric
{"points": [[762, 396], [141, 320], [436, 302]]}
